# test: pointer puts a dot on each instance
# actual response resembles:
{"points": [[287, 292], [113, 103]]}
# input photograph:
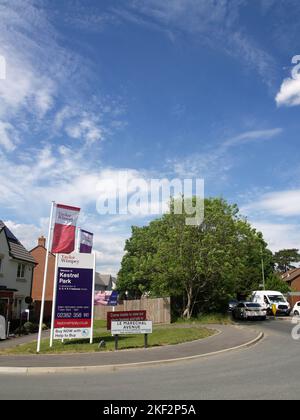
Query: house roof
{"points": [[16, 249], [291, 275], [102, 279]]}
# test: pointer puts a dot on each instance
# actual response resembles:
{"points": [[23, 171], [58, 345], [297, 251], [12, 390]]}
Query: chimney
{"points": [[42, 241]]}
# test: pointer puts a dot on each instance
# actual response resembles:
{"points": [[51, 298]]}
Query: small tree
{"points": [[275, 282]]}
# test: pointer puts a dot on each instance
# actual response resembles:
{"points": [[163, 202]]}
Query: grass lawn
{"points": [[214, 318], [162, 335]]}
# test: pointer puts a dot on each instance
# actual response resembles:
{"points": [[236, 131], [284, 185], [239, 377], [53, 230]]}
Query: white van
{"points": [[267, 298]]}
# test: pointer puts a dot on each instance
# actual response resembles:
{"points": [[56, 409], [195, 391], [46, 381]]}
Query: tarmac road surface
{"points": [[268, 370]]}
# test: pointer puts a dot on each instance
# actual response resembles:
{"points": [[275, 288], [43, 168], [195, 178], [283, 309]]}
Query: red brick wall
{"points": [[39, 254], [47, 310], [295, 285]]}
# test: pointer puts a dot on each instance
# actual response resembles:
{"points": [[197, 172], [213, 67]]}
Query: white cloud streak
{"points": [[278, 203], [217, 162]]}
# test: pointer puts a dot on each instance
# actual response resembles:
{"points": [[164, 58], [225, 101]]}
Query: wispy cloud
{"points": [[8, 136], [284, 203], [250, 136], [216, 162], [215, 24]]}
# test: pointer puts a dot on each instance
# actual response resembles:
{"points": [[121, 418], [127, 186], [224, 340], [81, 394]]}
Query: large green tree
{"points": [[202, 266], [286, 258]]}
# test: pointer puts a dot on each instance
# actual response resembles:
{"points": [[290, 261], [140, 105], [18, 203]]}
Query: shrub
{"points": [[30, 327]]}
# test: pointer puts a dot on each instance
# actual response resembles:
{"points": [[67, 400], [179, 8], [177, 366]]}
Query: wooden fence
{"points": [[158, 310]]}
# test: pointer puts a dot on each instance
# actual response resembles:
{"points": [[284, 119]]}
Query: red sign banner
{"points": [[64, 229], [125, 316]]}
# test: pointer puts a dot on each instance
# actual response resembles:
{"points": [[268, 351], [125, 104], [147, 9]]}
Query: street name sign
{"points": [[131, 327]]}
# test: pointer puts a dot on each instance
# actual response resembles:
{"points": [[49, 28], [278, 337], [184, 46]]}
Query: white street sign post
{"points": [[131, 327]]}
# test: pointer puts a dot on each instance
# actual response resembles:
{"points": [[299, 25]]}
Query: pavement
{"points": [[227, 337], [24, 339]]}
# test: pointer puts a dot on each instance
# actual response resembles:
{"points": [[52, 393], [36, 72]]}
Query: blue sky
{"points": [[179, 88]]}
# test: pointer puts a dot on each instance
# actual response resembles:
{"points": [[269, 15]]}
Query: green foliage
{"points": [[30, 328], [285, 258], [274, 282], [201, 267]]}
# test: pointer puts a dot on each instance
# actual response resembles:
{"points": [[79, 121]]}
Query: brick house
{"points": [[16, 274], [292, 278], [39, 254]]}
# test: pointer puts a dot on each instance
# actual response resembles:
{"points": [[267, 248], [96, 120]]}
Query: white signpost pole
{"points": [[54, 299], [78, 238], [93, 300], [45, 279]]}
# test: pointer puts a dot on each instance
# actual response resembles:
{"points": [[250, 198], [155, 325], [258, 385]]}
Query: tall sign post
{"points": [[61, 240], [45, 278]]}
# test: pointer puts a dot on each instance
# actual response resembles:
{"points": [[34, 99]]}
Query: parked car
{"points": [[249, 310], [267, 298], [232, 304], [296, 309]]}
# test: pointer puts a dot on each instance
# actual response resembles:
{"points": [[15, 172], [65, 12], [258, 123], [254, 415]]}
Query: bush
{"points": [[20, 331], [30, 328]]}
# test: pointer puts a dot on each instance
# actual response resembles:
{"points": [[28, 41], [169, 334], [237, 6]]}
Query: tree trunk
{"points": [[187, 313]]}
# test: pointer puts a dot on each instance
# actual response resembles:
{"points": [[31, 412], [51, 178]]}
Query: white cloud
{"points": [[279, 203], [289, 94], [253, 135], [216, 162], [69, 177], [279, 235], [26, 43], [8, 136], [216, 24], [87, 129]]}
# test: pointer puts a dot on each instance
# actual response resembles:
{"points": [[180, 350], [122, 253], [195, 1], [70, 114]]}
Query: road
{"points": [[269, 370]]}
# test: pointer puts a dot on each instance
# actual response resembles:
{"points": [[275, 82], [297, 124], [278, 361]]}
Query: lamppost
{"points": [[262, 269]]}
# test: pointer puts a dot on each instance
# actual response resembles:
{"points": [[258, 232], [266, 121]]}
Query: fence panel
{"points": [[158, 310]]}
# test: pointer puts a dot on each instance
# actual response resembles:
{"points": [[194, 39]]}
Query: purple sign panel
{"points": [[73, 307], [86, 242]]}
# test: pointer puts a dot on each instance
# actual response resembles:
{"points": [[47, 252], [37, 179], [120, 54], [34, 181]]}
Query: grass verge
{"points": [[161, 336], [213, 318]]}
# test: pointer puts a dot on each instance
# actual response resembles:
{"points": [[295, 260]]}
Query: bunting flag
{"points": [[86, 242], [64, 229]]}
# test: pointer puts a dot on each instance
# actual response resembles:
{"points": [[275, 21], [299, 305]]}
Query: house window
{"points": [[21, 271]]}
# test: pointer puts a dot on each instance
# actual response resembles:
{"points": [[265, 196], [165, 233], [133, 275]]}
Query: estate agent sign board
{"points": [[74, 296]]}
